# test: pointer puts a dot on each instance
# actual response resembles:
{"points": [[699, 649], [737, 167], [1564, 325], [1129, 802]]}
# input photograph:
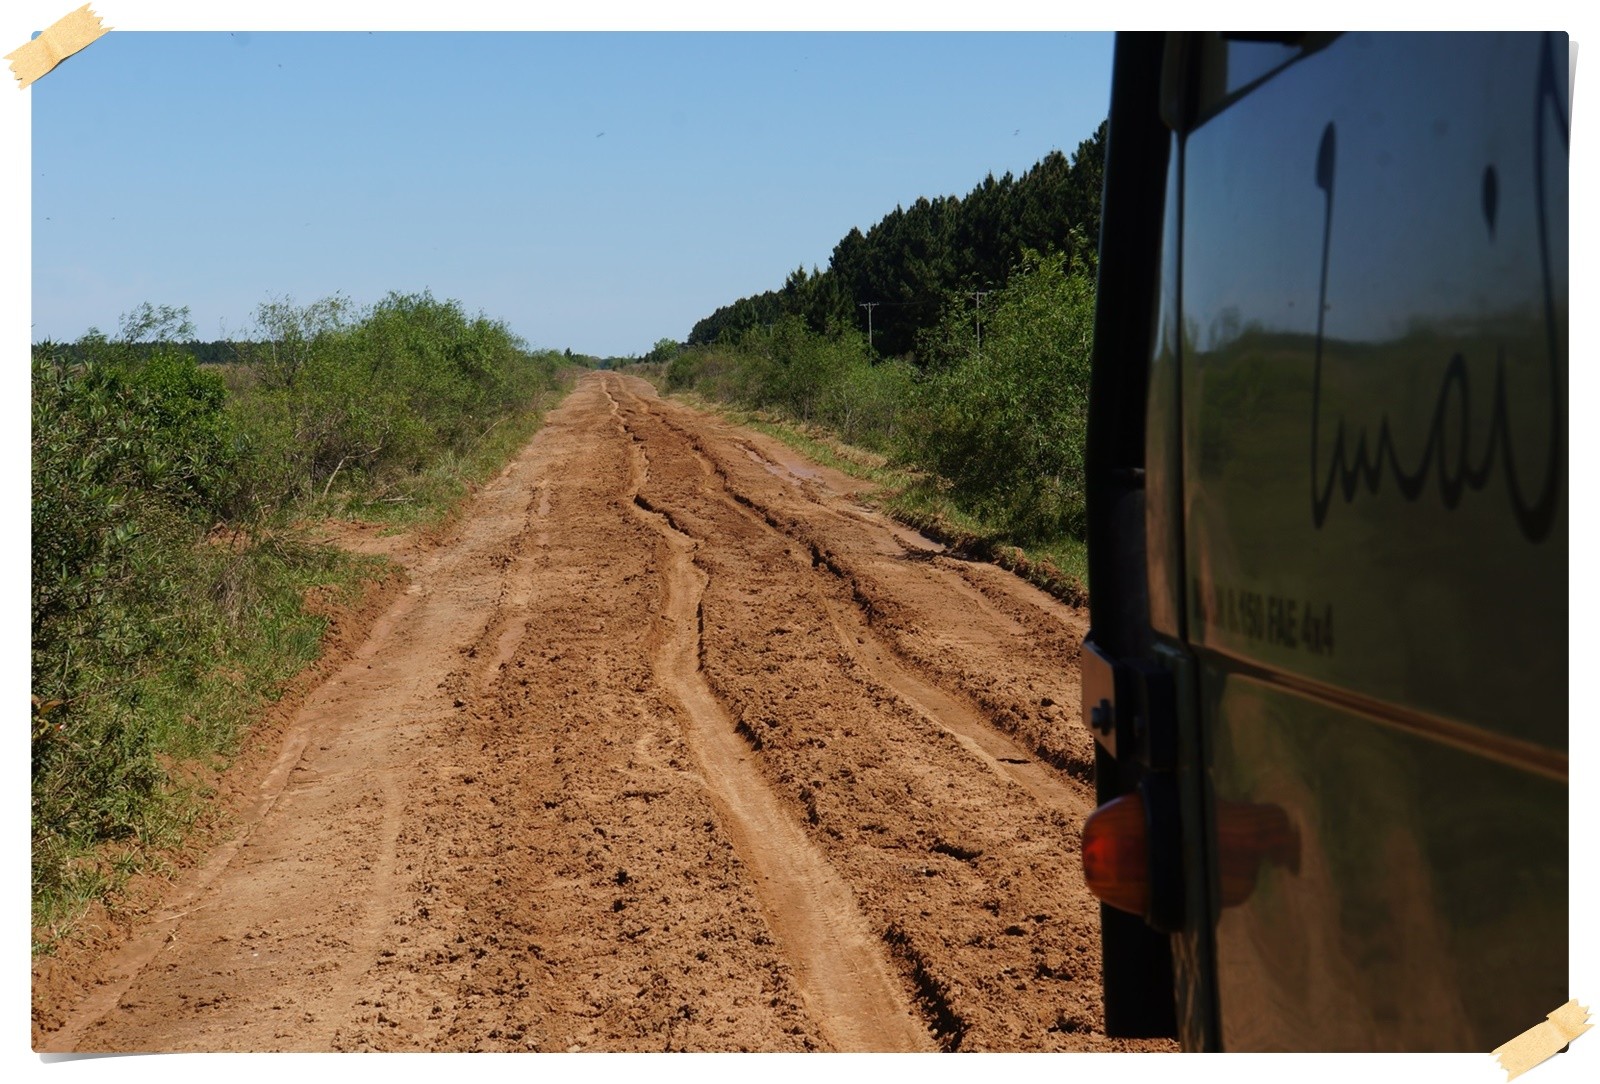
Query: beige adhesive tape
{"points": [[65, 36], [1543, 1040]]}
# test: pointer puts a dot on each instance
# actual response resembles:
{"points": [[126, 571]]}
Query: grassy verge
{"points": [[432, 493], [989, 417], [122, 782], [920, 501], [173, 596]]}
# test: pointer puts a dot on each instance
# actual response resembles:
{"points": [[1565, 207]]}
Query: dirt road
{"points": [[671, 747]]}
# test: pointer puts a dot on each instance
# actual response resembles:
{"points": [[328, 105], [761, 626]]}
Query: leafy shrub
{"points": [[132, 458], [367, 400], [1004, 425], [166, 596], [829, 379], [126, 456], [1000, 425], [685, 370], [864, 402]]}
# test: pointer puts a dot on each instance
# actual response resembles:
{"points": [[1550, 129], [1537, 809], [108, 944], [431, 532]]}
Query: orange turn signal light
{"points": [[1116, 854]]}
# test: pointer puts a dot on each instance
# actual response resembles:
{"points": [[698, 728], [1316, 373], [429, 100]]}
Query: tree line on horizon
{"points": [[973, 379], [916, 260], [235, 351]]}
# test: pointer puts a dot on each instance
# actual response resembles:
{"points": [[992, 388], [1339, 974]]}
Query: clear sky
{"points": [[597, 191]]}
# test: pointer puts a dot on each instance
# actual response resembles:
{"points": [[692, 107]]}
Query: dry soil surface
{"points": [[670, 746]]}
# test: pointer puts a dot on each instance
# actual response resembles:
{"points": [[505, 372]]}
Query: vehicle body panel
{"points": [[1353, 482]]}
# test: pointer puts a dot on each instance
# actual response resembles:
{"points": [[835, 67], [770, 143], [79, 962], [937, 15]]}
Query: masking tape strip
{"points": [[65, 36], [1543, 1039]]}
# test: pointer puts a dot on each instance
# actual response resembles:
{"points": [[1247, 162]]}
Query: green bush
{"points": [[132, 458], [126, 458], [831, 380], [1004, 425], [685, 370], [999, 425], [864, 402], [370, 400], [166, 586]]}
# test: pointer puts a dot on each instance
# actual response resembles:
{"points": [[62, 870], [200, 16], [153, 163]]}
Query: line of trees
{"points": [[911, 262], [214, 352], [976, 375]]}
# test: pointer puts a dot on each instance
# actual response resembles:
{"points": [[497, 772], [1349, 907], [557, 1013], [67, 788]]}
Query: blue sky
{"points": [[596, 191]]}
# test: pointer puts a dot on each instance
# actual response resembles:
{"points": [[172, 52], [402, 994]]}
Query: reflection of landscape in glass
{"points": [[1252, 183], [1375, 478], [1431, 435], [1398, 843], [1249, 432], [1439, 412]]}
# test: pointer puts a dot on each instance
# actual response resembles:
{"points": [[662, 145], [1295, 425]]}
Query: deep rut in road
{"points": [[841, 969], [671, 746], [851, 620]]}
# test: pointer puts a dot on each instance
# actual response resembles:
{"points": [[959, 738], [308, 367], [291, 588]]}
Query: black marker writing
{"points": [[1362, 461]]}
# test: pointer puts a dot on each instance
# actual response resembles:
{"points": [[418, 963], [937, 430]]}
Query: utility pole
{"points": [[977, 321], [869, 306]]}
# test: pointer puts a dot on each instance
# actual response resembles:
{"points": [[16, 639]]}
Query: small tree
{"points": [[156, 323], [1006, 427], [291, 332], [663, 351]]}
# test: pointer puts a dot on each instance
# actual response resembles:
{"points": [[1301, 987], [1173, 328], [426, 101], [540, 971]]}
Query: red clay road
{"points": [[671, 746]]}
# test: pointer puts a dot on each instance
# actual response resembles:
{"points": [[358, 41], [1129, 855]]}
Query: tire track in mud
{"points": [[285, 912], [844, 978], [512, 613], [831, 609], [669, 746], [991, 748], [287, 772], [852, 621], [302, 901]]}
